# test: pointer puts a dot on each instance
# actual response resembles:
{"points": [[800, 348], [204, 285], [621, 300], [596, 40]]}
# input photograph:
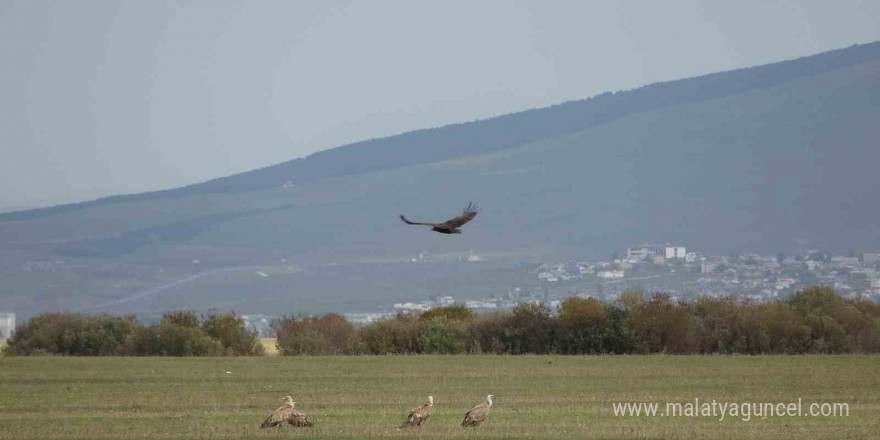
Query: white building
{"points": [[649, 251], [674, 252], [476, 304], [870, 257], [412, 307], [610, 274], [7, 325], [446, 300]]}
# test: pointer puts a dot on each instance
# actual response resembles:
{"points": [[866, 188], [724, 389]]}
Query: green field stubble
{"points": [[368, 396]]}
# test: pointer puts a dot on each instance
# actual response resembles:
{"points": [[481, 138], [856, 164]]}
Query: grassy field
{"points": [[539, 397]]}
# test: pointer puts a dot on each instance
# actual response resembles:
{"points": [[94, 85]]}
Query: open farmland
{"points": [[367, 397]]}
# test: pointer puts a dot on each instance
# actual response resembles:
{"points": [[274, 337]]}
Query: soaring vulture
{"points": [[286, 413], [450, 226], [477, 414], [419, 414]]}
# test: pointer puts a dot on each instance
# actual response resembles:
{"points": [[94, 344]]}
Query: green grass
{"points": [[367, 397]]}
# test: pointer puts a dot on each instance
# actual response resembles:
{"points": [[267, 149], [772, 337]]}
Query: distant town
{"points": [[670, 269]]}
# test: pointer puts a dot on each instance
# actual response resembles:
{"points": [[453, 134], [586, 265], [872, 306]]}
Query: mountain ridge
{"points": [[496, 133]]}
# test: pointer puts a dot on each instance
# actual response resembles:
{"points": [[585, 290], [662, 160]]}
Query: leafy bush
{"points": [[169, 339], [444, 336], [402, 335], [183, 318], [486, 333], [327, 334], [531, 328], [178, 334], [232, 334], [70, 334], [454, 312]]}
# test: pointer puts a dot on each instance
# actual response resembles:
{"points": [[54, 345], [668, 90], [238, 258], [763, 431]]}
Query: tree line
{"points": [[179, 333], [813, 320]]}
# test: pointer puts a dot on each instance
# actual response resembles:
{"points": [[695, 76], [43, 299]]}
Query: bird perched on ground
{"points": [[286, 413], [419, 415], [450, 226], [477, 414]]}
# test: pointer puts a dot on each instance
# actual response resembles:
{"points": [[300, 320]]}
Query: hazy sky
{"points": [[108, 97]]}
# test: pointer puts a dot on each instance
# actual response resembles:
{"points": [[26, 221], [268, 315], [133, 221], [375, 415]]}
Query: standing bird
{"points": [[286, 413], [449, 226], [477, 414], [419, 415]]}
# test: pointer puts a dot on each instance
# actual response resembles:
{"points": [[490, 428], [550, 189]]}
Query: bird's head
{"points": [[288, 400], [431, 400], [489, 399]]}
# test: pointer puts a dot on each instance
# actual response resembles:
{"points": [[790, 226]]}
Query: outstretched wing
{"points": [[469, 213], [415, 223]]}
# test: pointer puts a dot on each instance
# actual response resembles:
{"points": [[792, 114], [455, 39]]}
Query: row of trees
{"points": [[814, 320], [177, 334]]}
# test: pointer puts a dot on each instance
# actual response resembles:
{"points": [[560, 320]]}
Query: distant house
{"points": [[707, 266], [445, 300], [412, 307], [871, 258], [674, 252], [472, 304], [610, 274], [7, 325], [649, 251], [546, 275]]}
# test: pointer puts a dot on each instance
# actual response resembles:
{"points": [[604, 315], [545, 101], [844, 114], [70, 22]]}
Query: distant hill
{"points": [[770, 158], [501, 132]]}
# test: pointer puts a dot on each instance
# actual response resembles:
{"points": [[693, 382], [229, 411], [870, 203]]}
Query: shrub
{"points": [[402, 335], [531, 328], [71, 334], [486, 333], [454, 312], [183, 318], [170, 339], [444, 336], [316, 335], [232, 334], [581, 321]]}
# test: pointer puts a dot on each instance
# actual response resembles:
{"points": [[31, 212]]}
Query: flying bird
{"points": [[419, 415], [286, 413], [450, 226], [477, 414]]}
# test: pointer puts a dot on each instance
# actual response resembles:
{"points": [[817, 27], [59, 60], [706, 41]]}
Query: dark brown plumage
{"points": [[288, 414], [450, 226], [477, 414], [419, 414]]}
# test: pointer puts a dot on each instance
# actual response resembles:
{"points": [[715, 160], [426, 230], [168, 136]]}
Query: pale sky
{"points": [[107, 97]]}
